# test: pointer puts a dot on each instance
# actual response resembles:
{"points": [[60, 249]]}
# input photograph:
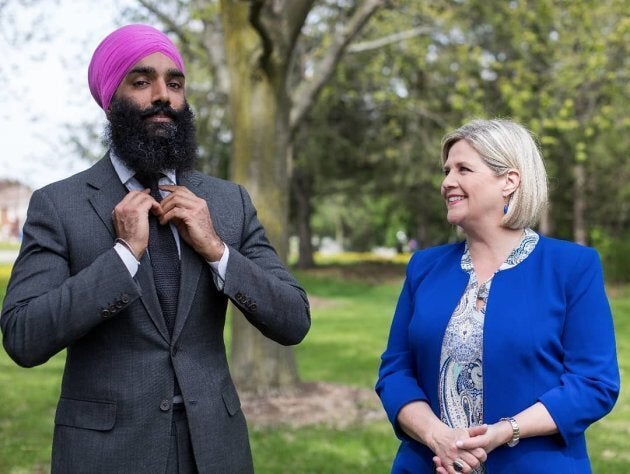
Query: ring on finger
{"points": [[458, 465]]}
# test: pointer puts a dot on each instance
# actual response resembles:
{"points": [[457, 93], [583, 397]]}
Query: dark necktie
{"points": [[164, 257]]}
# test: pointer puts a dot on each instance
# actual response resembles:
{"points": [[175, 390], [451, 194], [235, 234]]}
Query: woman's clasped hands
{"points": [[464, 449], [451, 455]]}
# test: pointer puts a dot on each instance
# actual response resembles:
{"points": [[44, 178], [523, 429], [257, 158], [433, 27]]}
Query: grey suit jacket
{"points": [[69, 289]]}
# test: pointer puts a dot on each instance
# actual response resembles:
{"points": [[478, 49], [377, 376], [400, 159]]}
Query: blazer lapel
{"points": [[108, 192], [191, 267], [149, 297], [191, 264]]}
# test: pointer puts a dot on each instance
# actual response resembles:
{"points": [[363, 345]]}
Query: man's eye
{"points": [[175, 85], [140, 83]]}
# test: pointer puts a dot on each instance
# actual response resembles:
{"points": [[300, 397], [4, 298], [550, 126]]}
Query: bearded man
{"points": [[129, 266]]}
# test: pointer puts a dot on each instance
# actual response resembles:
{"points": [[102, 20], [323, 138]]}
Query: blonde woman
{"points": [[501, 351]]}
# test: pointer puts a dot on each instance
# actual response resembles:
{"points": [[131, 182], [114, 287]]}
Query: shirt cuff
{"points": [[128, 259], [219, 268]]}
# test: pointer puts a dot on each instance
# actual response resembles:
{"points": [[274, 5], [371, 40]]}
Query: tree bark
{"points": [[260, 38], [302, 191], [259, 108]]}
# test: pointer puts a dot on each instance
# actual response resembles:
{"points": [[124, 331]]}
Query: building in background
{"points": [[14, 198]]}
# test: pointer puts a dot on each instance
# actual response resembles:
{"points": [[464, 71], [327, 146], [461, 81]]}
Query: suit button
{"points": [[106, 313], [125, 298], [174, 350], [165, 405], [253, 307]]}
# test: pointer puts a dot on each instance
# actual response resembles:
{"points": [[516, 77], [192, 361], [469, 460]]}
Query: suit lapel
{"points": [[109, 191], [149, 297], [191, 264], [191, 267]]}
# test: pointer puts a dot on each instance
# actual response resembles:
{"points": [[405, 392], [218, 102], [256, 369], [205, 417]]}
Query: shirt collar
{"points": [[125, 174]]}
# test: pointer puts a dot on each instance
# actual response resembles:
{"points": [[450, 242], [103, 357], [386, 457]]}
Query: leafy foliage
{"points": [[371, 144]]}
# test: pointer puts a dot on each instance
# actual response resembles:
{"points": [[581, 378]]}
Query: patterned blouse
{"points": [[461, 368]]}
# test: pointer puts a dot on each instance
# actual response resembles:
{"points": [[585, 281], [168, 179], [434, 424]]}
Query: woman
{"points": [[502, 350]]}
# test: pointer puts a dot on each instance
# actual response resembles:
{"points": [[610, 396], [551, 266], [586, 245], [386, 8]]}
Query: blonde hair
{"points": [[504, 145]]}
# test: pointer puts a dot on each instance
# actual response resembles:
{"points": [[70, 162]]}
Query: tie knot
{"points": [[151, 181]]}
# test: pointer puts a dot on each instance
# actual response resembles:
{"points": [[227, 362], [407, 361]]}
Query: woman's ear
{"points": [[512, 182]]}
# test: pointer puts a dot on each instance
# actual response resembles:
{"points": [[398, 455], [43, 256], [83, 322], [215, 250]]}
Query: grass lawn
{"points": [[351, 316], [9, 245]]}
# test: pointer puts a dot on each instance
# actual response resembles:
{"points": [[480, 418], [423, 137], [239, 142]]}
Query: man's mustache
{"points": [[159, 108]]}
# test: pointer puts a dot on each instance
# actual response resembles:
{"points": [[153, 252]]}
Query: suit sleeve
{"points": [[261, 286], [46, 308], [397, 383], [590, 384]]}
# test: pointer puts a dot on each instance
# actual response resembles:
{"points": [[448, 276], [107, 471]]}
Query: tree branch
{"points": [[295, 13], [256, 20], [278, 23], [185, 39], [389, 39], [305, 95]]}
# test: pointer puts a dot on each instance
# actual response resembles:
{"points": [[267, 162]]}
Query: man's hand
{"points": [[191, 216], [131, 220]]}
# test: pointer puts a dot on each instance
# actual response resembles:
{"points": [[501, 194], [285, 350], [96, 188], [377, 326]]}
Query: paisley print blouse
{"points": [[461, 367]]}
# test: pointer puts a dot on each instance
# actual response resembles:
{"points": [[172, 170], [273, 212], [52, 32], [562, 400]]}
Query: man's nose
{"points": [[160, 92]]}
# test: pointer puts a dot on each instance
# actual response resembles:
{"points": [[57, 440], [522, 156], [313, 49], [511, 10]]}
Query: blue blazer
{"points": [[548, 337]]}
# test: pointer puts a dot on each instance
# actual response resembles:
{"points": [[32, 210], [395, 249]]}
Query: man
{"points": [[134, 282]]}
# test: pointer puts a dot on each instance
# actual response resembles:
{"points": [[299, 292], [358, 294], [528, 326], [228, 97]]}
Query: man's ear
{"points": [[512, 182]]}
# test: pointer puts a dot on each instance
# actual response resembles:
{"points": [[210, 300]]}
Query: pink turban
{"points": [[118, 53]]}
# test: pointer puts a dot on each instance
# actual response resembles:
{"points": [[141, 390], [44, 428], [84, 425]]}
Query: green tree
{"points": [[559, 67]]}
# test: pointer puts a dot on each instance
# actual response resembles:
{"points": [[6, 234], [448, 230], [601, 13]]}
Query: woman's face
{"points": [[472, 192]]}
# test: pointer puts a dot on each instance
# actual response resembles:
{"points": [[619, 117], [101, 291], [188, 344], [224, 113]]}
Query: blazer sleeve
{"points": [[47, 308], [260, 285], [590, 384], [397, 383]]}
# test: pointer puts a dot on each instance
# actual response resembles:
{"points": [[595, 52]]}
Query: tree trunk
{"points": [[302, 191], [260, 38], [260, 119], [579, 204]]}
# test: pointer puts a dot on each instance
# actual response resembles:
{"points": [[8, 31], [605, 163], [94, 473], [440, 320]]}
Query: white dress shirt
{"points": [[126, 176]]}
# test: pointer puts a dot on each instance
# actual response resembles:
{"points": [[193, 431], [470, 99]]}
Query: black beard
{"points": [[151, 147]]}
